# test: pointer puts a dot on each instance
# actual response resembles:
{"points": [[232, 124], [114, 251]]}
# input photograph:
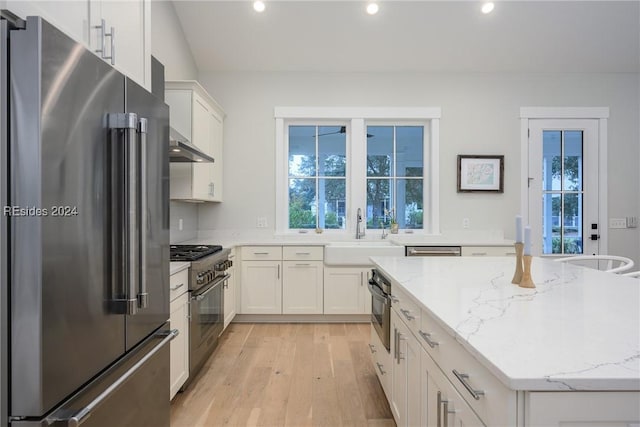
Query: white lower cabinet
{"points": [[405, 380], [381, 361], [302, 287], [261, 290], [230, 293], [346, 291], [608, 408], [179, 318], [442, 405]]}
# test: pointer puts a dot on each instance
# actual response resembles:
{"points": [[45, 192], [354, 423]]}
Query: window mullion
{"points": [[317, 179]]}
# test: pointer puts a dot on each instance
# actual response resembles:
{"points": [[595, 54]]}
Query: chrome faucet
{"points": [[359, 233], [384, 234]]}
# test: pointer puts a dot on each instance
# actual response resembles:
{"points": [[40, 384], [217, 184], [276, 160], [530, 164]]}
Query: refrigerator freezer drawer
{"points": [[133, 393]]}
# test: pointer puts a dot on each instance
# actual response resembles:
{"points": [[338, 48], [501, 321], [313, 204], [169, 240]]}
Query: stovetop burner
{"points": [[192, 252]]}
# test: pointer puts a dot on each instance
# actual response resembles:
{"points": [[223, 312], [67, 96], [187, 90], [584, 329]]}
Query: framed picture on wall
{"points": [[480, 173]]}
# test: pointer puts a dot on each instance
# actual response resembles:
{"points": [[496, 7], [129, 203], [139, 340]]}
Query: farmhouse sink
{"points": [[358, 252]]}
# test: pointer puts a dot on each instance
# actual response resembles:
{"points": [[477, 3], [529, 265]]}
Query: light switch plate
{"points": [[632, 222], [261, 222]]}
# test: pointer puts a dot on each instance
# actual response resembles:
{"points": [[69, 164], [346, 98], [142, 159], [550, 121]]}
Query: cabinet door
{"points": [[399, 371], [611, 409], [261, 287], [442, 404], [345, 291], [302, 287], [230, 297], [411, 359], [132, 38], [179, 359], [216, 152], [202, 181], [72, 17]]}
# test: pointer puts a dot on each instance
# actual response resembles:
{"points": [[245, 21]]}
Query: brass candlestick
{"points": [[517, 276], [526, 281]]}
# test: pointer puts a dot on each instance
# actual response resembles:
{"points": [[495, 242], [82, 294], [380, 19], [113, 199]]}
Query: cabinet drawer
{"points": [[178, 284], [488, 251], [498, 404], [381, 359], [406, 308], [299, 253], [262, 253]]}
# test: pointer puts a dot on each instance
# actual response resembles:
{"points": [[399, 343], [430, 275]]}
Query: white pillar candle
{"points": [[527, 240], [518, 229]]}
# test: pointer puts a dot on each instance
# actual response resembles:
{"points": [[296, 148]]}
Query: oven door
{"points": [[207, 316], [381, 314]]}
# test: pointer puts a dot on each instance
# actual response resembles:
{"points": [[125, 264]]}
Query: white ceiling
{"points": [[451, 36]]}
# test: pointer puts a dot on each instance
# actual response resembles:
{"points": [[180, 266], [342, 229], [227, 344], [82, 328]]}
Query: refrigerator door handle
{"points": [[128, 124], [82, 415], [143, 296]]}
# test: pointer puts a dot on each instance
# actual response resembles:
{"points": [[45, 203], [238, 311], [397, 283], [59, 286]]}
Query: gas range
{"points": [[208, 263], [192, 252]]}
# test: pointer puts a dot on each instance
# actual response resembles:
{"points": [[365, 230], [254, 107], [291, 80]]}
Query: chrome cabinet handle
{"points": [[102, 28], [211, 189], [407, 314], [446, 412], [303, 253], [81, 416], [394, 299], [427, 337], [278, 271], [380, 368], [395, 344], [261, 253], [112, 36], [478, 253], [463, 378], [189, 311], [400, 355], [177, 287], [372, 348], [302, 265]]}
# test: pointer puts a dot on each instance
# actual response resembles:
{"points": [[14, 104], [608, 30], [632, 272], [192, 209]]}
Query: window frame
{"points": [[356, 120]]}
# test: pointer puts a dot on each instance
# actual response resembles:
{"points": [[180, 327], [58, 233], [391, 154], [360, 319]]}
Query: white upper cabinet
{"points": [[199, 118], [130, 43], [130, 21], [72, 17]]}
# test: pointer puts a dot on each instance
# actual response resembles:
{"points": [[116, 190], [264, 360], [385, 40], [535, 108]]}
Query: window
{"points": [[317, 177], [562, 191], [332, 161], [395, 165]]}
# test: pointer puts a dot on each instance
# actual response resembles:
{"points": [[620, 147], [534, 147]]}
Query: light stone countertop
{"points": [[579, 329], [230, 238], [178, 266]]}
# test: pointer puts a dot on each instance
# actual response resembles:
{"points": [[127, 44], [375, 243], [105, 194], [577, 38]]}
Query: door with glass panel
{"points": [[395, 176], [563, 186]]}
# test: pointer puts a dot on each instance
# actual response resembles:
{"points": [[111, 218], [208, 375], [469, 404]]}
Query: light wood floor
{"points": [[286, 375]]}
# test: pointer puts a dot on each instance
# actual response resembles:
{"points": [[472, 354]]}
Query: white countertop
{"points": [[231, 238], [178, 266], [578, 330]]}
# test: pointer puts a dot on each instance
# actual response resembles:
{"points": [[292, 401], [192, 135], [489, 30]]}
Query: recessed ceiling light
{"points": [[175, 150], [488, 7], [372, 8], [198, 160], [258, 6]]}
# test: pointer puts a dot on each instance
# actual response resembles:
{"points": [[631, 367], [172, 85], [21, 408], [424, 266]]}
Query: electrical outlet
{"points": [[466, 223], [632, 222], [261, 222], [617, 223], [180, 224]]}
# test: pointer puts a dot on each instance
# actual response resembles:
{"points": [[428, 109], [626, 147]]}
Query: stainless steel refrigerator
{"points": [[84, 250]]}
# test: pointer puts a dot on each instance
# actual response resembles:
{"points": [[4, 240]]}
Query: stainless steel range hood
{"points": [[181, 150]]}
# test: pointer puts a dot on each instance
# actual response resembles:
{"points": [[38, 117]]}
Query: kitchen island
{"points": [[566, 351]]}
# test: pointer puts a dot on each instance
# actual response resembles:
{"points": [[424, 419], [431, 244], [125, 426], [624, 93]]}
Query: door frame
{"points": [[599, 113]]}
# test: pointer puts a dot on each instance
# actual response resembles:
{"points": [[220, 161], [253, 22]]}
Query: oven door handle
{"points": [[376, 291], [202, 295]]}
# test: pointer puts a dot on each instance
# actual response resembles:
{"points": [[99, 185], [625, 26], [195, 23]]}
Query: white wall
{"points": [[169, 46], [480, 115]]}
